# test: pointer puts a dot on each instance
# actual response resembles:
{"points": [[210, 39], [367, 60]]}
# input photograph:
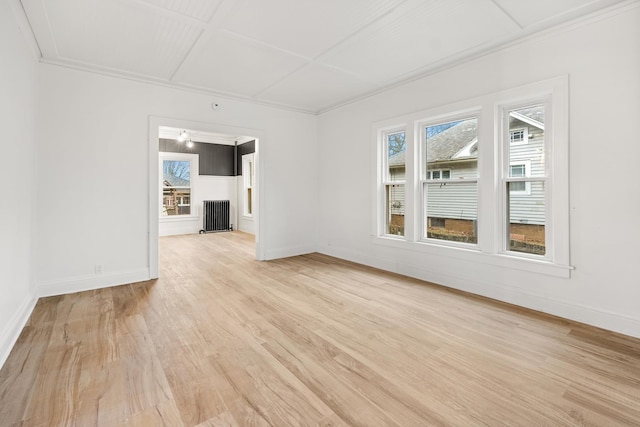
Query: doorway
{"points": [[214, 157]]}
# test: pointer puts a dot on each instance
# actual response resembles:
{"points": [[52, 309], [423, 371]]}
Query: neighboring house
{"points": [[176, 195], [453, 154], [396, 198]]}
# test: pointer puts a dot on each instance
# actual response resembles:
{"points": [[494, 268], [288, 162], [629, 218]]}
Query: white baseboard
{"points": [[9, 335], [86, 283], [593, 316], [289, 252], [12, 330]]}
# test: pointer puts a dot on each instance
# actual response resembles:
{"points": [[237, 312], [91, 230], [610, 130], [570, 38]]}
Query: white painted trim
{"points": [[532, 33], [155, 81], [194, 164], [89, 282], [289, 252], [537, 31], [492, 238], [12, 330], [525, 134], [468, 252], [248, 159], [624, 324]]}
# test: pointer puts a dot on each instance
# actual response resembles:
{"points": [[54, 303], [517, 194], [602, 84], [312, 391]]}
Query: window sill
{"points": [[180, 218], [473, 254]]}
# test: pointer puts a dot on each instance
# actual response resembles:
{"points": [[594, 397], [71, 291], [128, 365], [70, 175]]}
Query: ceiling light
{"points": [[183, 136], [190, 143]]}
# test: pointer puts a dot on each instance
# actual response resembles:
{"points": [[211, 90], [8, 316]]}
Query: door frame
{"points": [[153, 183]]}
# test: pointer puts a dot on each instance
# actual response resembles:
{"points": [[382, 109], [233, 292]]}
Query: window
{"points": [[176, 184], [393, 181], [248, 175], [436, 194], [520, 169], [518, 136], [451, 205], [525, 181], [439, 174]]}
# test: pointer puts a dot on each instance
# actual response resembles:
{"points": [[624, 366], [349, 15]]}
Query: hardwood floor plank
{"points": [[222, 340], [18, 376], [164, 414]]}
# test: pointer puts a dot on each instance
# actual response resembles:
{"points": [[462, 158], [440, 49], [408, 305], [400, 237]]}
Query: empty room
{"points": [[322, 213]]}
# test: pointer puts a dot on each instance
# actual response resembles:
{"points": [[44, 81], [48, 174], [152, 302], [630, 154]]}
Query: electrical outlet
{"points": [[99, 268]]}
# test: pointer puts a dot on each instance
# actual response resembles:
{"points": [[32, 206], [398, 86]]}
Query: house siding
{"points": [[459, 200], [397, 193], [456, 200], [529, 208]]}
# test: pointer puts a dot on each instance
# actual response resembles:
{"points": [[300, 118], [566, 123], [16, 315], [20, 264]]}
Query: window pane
{"points": [[176, 201], [452, 211], [518, 171], [518, 186], [395, 209], [396, 152], [530, 149], [176, 173], [526, 218], [517, 135], [176, 191], [452, 146]]}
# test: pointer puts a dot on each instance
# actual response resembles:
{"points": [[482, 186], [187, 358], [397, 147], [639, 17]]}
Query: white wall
{"points": [[602, 58], [93, 174], [18, 119]]}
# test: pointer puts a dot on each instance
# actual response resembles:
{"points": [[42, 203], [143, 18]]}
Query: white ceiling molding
{"points": [[166, 132], [305, 56]]}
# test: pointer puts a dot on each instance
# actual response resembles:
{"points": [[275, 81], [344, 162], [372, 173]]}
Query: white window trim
{"points": [[193, 172], [383, 179], [421, 215], [429, 174], [491, 214], [246, 183], [525, 136], [503, 110]]}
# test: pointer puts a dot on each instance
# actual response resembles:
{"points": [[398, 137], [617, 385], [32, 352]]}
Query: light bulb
{"points": [[183, 136], [189, 143]]}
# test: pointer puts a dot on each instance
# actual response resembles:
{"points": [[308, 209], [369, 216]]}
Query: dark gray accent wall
{"points": [[214, 159], [246, 148]]}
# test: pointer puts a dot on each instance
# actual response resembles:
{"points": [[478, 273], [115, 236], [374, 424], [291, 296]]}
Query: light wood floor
{"points": [[222, 340]]}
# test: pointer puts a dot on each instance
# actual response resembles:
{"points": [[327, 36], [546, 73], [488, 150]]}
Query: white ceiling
{"points": [[308, 55]]}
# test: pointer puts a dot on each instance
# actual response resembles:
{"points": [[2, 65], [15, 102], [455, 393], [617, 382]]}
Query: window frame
{"points": [[505, 148], [384, 180], [429, 176], [473, 113], [525, 136], [492, 234], [248, 162], [193, 160]]}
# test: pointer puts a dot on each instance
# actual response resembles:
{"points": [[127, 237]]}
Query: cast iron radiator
{"points": [[215, 216]]}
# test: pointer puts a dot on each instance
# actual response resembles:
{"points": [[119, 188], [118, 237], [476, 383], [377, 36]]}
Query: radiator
{"points": [[215, 216]]}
